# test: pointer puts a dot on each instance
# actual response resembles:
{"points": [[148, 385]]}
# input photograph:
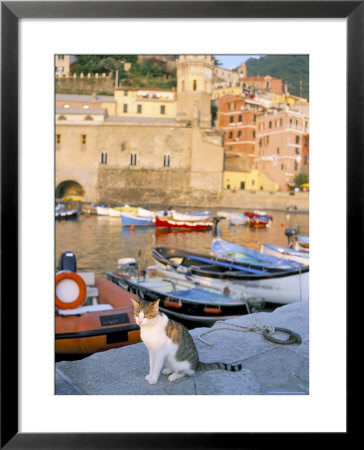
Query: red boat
{"points": [[258, 219], [173, 224]]}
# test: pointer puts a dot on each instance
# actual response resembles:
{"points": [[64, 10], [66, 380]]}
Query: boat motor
{"points": [[291, 233], [216, 231], [128, 265], [67, 261]]}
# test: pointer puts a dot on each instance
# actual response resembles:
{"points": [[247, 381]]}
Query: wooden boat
{"points": [[191, 216], [258, 219], [133, 219], [286, 253], [116, 211], [254, 258], [230, 251], [89, 208], [277, 287], [61, 213], [102, 210], [175, 224], [184, 299], [92, 315]]}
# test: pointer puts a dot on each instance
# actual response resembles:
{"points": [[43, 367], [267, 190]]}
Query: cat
{"points": [[169, 343]]}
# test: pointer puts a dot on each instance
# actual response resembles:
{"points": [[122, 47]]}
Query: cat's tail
{"points": [[219, 365]]}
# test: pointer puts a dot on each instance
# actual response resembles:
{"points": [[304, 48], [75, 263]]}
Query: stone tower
{"points": [[194, 78]]}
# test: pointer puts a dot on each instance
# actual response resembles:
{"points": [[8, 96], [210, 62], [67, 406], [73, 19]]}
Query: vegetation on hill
{"points": [[148, 72], [292, 69]]}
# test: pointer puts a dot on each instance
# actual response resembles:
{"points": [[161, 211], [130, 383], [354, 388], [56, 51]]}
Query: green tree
{"points": [[302, 178]]}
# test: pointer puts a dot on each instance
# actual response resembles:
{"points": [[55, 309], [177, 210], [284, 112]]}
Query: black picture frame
{"points": [[11, 13]]}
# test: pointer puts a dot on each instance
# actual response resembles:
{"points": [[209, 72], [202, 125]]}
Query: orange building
{"points": [[282, 145], [238, 117], [266, 83]]}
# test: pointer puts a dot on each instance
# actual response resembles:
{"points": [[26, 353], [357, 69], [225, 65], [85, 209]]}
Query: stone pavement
{"points": [[268, 368]]}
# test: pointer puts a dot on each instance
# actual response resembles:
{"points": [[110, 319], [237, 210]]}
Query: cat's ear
{"points": [[135, 303], [156, 304]]}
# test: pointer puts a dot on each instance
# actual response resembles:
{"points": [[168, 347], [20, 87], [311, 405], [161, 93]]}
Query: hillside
{"points": [[290, 68]]}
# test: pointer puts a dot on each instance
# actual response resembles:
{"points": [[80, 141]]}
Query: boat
{"points": [[256, 213], [61, 213], [298, 256], [196, 224], [89, 208], [271, 285], [234, 218], [297, 241], [133, 219], [183, 299], [92, 314], [258, 219], [254, 258], [238, 253], [102, 210], [191, 216], [116, 211]]}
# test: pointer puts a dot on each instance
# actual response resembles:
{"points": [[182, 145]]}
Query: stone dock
{"points": [[268, 368]]}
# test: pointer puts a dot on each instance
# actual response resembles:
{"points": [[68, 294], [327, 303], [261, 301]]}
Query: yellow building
{"points": [[144, 102], [239, 174], [288, 99], [219, 92]]}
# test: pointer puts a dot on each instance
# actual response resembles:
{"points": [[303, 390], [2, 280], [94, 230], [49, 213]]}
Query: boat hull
{"points": [[194, 304], [172, 224], [286, 253], [128, 220], [90, 332], [277, 287]]}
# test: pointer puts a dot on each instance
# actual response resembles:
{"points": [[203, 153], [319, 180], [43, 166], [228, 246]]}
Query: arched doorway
{"points": [[69, 188]]}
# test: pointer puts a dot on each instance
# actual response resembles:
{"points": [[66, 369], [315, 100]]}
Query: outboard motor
{"points": [[216, 231], [290, 233], [67, 261], [128, 265]]}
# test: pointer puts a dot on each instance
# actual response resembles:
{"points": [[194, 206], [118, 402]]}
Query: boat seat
{"points": [[88, 278], [84, 309]]}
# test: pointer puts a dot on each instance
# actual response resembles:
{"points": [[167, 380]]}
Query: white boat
{"points": [[102, 210], [272, 286], [234, 218], [117, 210], [279, 251]]}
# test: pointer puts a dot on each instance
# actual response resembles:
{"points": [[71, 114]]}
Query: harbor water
{"points": [[100, 241]]}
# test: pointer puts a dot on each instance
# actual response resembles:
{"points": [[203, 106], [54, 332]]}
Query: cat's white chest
{"points": [[153, 337]]}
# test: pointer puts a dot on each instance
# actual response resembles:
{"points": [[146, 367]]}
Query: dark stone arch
{"points": [[69, 187]]}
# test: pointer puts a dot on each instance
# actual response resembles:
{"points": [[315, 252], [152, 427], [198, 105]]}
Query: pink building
{"points": [[282, 145]]}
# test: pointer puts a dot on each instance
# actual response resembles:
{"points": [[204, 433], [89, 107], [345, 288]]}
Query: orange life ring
{"points": [[74, 303]]}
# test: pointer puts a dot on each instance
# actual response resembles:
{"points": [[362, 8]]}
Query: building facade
{"points": [[282, 145], [238, 119], [145, 146]]}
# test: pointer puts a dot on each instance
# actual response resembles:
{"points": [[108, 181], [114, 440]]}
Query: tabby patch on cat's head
{"points": [[144, 311]]}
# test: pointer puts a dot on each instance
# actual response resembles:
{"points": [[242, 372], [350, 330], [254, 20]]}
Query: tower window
{"points": [[133, 159], [83, 141], [103, 158], [58, 142], [166, 160], [194, 85]]}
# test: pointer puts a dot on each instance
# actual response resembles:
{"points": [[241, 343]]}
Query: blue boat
{"points": [[61, 213], [287, 253], [131, 219], [254, 258]]}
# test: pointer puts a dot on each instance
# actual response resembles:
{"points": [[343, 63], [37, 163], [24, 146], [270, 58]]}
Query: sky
{"points": [[232, 61]]}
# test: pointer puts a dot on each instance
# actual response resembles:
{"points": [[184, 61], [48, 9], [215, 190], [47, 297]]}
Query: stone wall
{"points": [[84, 85]]}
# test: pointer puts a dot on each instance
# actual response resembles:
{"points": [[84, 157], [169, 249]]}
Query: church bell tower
{"points": [[194, 78]]}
